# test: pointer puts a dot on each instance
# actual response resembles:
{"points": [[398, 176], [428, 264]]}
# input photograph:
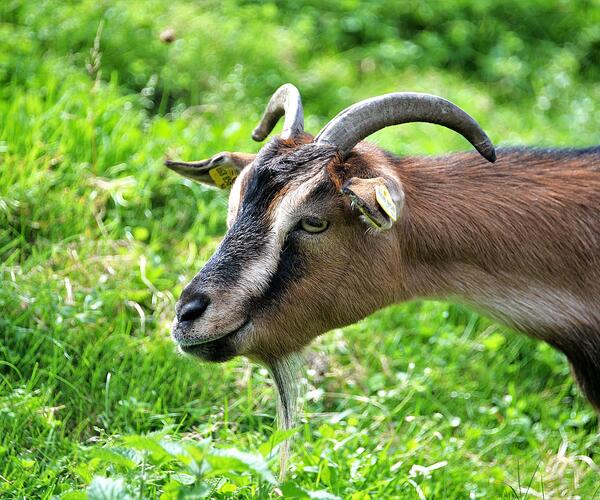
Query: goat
{"points": [[324, 231]]}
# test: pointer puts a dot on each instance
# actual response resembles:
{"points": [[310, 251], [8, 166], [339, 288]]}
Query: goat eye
{"points": [[313, 225]]}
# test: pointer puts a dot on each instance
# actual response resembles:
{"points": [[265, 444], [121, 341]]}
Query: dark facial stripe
{"points": [[245, 241], [292, 263], [247, 238], [290, 268], [275, 169]]}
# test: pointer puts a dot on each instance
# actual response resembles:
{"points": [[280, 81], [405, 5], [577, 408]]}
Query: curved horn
{"points": [[285, 101], [362, 119]]}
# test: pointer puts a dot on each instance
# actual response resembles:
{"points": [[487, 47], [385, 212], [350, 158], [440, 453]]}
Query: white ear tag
{"points": [[223, 177], [384, 198]]}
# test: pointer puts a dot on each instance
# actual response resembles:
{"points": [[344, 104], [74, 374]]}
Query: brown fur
{"points": [[241, 159], [525, 231], [528, 225], [529, 214]]}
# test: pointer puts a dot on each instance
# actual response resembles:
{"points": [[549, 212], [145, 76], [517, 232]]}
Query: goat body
{"points": [[323, 231], [519, 241]]}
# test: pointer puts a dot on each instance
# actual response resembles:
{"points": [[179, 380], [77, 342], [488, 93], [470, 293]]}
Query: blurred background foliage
{"points": [[232, 49], [97, 240]]}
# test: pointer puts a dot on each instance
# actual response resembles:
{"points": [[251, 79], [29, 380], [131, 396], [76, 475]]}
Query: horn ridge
{"points": [[286, 101], [362, 119]]}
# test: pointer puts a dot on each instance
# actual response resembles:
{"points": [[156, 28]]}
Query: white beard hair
{"points": [[286, 373]]}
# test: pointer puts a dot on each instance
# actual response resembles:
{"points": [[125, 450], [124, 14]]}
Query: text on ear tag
{"points": [[223, 177], [385, 201]]}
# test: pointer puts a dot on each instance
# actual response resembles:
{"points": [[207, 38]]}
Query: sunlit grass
{"points": [[97, 240]]}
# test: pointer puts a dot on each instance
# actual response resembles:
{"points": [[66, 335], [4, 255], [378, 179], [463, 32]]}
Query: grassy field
{"points": [[97, 239]]}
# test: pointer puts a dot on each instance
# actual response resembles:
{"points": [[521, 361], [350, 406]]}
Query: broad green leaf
{"points": [[144, 443], [85, 471], [171, 490], [326, 431], [113, 457], [74, 495], [278, 437], [228, 488], [196, 449], [325, 473], [200, 491], [293, 491], [175, 449], [222, 461], [106, 488], [185, 479]]}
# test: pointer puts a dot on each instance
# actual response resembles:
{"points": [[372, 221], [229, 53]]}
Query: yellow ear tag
{"points": [[384, 198], [223, 177]]}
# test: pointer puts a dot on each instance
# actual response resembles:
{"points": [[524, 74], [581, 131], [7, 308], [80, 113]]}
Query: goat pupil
{"points": [[313, 224]]}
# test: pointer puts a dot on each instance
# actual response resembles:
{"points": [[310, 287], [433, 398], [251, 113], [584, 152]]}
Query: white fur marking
{"points": [[256, 277], [235, 195]]}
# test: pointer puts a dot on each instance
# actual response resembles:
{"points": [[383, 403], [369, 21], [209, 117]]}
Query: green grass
{"points": [[97, 240]]}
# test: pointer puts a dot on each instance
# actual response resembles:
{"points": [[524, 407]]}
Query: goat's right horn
{"points": [[285, 101], [362, 119]]}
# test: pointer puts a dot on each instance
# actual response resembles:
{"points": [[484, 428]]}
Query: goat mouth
{"points": [[217, 350]]}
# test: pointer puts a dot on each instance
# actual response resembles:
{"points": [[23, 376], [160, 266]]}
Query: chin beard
{"points": [[287, 375]]}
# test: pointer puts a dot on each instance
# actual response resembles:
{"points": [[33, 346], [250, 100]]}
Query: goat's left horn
{"points": [[285, 101], [362, 119]]}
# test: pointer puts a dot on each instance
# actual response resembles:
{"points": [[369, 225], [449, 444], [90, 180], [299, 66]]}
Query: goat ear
{"points": [[220, 170], [379, 200]]}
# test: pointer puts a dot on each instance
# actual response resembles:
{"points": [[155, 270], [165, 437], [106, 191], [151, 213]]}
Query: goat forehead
{"points": [[272, 209], [274, 183]]}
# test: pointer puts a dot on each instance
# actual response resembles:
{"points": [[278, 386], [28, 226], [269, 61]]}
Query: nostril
{"points": [[194, 308]]}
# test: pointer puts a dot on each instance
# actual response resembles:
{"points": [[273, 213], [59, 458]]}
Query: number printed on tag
{"points": [[223, 177]]}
